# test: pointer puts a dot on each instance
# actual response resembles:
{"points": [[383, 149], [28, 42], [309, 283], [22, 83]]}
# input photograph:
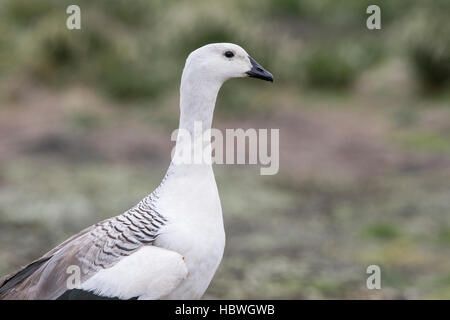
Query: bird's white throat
{"points": [[198, 95]]}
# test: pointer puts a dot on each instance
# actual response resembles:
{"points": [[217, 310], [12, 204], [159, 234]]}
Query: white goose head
{"points": [[222, 61], [206, 69]]}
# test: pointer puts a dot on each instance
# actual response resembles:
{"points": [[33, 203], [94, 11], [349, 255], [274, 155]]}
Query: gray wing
{"points": [[95, 248]]}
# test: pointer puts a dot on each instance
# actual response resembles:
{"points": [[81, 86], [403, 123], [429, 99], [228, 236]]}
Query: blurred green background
{"points": [[364, 119]]}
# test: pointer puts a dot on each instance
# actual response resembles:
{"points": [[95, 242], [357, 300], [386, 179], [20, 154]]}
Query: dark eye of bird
{"points": [[229, 54]]}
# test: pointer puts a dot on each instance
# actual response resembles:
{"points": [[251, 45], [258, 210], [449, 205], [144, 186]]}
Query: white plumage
{"points": [[170, 244]]}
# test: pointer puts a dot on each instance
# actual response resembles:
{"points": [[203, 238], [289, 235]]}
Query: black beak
{"points": [[257, 71]]}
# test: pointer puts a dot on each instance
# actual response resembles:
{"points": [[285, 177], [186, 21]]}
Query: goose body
{"points": [[170, 244]]}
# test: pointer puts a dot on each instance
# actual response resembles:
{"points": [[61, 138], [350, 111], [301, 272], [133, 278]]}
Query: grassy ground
{"points": [[358, 185]]}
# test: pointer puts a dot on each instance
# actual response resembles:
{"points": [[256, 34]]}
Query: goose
{"points": [[171, 243]]}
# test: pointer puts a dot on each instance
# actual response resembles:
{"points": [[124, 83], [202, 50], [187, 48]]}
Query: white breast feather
{"points": [[149, 273]]}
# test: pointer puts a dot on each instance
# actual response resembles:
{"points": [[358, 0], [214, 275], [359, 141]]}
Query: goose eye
{"points": [[229, 54]]}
